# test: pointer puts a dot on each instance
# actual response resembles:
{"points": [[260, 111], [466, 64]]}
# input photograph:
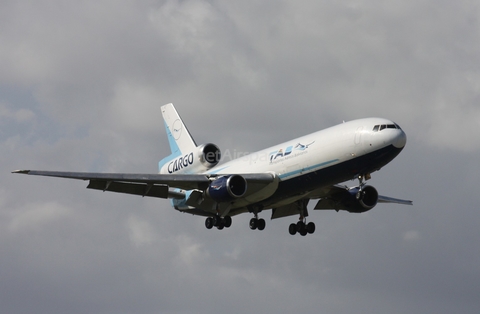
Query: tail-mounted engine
{"points": [[363, 200], [201, 159], [227, 188]]}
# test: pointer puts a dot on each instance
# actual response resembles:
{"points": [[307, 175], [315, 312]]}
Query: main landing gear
{"points": [[219, 222], [302, 227]]}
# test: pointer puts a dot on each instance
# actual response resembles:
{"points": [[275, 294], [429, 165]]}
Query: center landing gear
{"points": [[302, 227], [219, 222], [256, 223]]}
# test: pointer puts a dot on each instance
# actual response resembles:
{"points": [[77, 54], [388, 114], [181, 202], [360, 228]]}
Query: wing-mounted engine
{"points": [[364, 199], [227, 188], [354, 200], [201, 159]]}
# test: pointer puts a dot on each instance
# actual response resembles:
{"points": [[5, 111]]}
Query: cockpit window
{"points": [[380, 127]]}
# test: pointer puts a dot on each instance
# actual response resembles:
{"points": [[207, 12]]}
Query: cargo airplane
{"points": [[283, 178]]}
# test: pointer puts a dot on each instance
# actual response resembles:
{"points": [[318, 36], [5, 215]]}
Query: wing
{"points": [[154, 185], [386, 199], [342, 198]]}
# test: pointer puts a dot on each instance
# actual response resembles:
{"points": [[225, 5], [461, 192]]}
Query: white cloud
{"points": [[36, 216], [21, 115], [411, 235], [141, 231]]}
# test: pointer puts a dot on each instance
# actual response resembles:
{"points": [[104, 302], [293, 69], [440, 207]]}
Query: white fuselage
{"points": [[302, 165], [315, 151]]}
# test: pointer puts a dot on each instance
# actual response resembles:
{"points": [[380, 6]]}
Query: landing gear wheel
{"points": [[209, 223], [310, 227], [261, 224], [253, 223], [216, 220], [292, 229], [227, 221], [300, 226]]}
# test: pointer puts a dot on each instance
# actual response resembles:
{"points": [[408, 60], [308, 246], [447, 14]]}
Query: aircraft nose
{"points": [[400, 139]]}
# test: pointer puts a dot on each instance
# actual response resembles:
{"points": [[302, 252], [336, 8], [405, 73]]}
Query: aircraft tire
{"points": [[311, 227], [209, 223], [253, 223], [216, 220], [227, 221], [292, 229], [261, 224], [300, 226]]}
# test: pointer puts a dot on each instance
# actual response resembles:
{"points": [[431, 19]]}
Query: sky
{"points": [[81, 85]]}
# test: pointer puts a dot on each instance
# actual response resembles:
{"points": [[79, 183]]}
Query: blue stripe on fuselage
{"points": [[292, 173]]}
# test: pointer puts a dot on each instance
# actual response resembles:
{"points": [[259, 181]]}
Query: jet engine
{"points": [[209, 155], [227, 188], [363, 200]]}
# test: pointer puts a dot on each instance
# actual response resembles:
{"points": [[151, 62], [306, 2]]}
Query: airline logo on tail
{"points": [[180, 163], [186, 156]]}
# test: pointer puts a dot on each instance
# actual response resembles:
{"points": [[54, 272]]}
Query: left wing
{"points": [[154, 185]]}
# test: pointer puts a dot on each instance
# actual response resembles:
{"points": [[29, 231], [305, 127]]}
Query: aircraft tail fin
{"points": [[179, 138], [186, 156]]}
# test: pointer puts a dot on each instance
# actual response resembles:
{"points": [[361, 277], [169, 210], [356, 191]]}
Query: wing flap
{"points": [[151, 190]]}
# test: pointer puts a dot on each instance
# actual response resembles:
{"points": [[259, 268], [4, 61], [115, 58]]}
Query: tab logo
{"points": [[287, 151]]}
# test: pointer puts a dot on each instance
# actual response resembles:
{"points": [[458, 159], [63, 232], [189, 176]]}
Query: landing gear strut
{"points": [[219, 222], [361, 184]]}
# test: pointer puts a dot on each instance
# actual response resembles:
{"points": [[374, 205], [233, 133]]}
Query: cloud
{"points": [[80, 89], [36, 216]]}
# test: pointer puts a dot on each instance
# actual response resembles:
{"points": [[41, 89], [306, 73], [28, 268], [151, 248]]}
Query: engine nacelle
{"points": [[201, 159], [227, 188], [364, 200], [209, 155]]}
